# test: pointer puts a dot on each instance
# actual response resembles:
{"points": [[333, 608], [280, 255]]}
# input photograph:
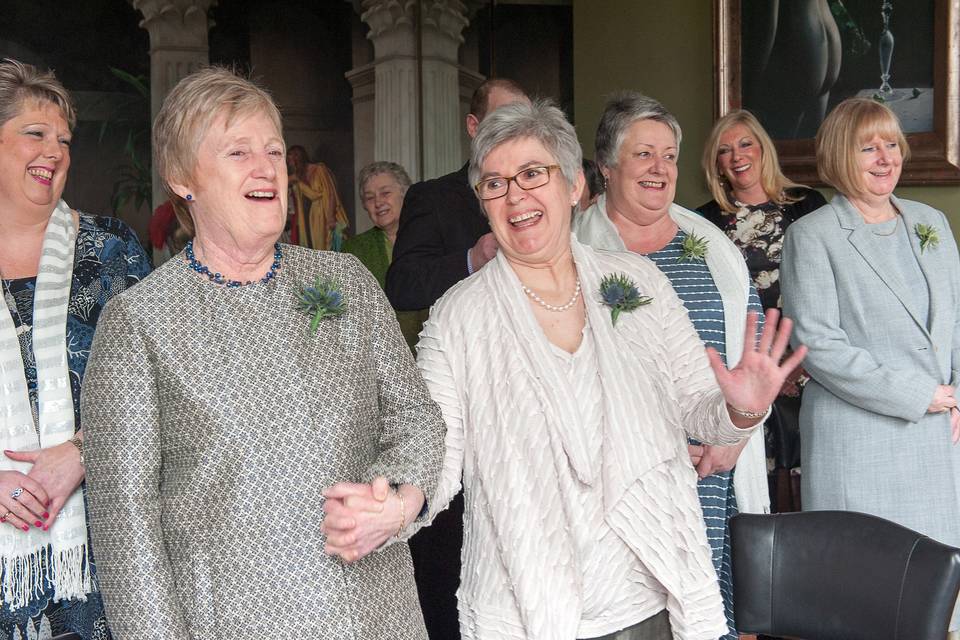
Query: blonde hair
{"points": [[843, 132], [20, 82], [187, 113], [774, 183]]}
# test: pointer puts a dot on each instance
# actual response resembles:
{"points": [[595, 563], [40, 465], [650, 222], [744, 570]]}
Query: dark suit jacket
{"points": [[440, 221]]}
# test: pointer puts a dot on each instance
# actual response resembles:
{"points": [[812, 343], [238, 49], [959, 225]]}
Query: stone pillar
{"points": [[402, 86], [178, 45]]}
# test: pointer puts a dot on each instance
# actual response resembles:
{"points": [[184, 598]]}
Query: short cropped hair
{"points": [[376, 168], [187, 113], [540, 120], [480, 99], [622, 110], [774, 183], [21, 82], [843, 132]]}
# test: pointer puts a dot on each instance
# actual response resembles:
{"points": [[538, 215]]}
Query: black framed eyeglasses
{"points": [[529, 178]]}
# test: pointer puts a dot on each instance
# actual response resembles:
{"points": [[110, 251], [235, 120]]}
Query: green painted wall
{"points": [[664, 48]]}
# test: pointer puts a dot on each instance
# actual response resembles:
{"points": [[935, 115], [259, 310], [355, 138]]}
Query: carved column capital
{"points": [[173, 23], [448, 17]]}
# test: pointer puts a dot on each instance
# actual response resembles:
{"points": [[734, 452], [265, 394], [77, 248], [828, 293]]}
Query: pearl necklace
{"points": [[551, 307], [219, 279]]}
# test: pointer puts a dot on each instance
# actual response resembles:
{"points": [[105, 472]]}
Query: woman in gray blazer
{"points": [[230, 390], [873, 284]]}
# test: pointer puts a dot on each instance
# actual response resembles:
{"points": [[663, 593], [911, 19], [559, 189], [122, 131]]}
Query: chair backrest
{"points": [[820, 575]]}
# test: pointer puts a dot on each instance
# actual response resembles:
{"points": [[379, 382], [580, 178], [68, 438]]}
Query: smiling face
{"points": [[880, 161], [383, 198], [532, 227], [239, 185], [643, 184], [739, 157], [34, 158]]}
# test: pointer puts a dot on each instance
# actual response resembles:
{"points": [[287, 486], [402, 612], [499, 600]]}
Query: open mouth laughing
{"points": [[527, 219], [43, 175], [261, 195]]}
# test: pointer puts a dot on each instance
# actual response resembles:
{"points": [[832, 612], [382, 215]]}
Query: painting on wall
{"points": [[790, 61]]}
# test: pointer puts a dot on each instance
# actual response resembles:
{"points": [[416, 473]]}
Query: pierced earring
{"points": [[189, 197]]}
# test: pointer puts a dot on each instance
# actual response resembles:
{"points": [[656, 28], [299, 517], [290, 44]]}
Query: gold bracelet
{"points": [[749, 415], [78, 443], [403, 513]]}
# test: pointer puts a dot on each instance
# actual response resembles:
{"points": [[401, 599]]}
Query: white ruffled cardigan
{"points": [[513, 433], [729, 270]]}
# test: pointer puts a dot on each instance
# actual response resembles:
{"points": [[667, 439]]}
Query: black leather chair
{"points": [[839, 575]]}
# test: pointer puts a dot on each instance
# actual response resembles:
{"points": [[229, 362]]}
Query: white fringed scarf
{"points": [[60, 554]]}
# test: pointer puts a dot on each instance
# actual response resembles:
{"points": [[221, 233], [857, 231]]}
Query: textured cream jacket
{"points": [[513, 434]]}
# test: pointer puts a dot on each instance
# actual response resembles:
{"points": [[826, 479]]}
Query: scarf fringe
{"points": [[24, 576]]}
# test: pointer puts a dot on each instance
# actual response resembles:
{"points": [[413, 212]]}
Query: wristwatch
{"points": [[77, 441]]}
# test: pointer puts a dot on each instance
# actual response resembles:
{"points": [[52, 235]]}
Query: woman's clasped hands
{"points": [[944, 400], [361, 517]]}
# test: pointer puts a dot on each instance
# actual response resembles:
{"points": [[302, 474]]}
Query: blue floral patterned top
{"points": [[108, 259]]}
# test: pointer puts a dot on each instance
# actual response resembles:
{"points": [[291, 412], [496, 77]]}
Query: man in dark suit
{"points": [[443, 238], [443, 235]]}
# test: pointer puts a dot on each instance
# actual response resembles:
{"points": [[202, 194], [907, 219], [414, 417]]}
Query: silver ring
{"points": [[16, 493]]}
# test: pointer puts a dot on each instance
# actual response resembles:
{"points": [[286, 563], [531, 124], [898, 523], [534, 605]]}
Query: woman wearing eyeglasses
{"points": [[567, 424], [637, 145]]}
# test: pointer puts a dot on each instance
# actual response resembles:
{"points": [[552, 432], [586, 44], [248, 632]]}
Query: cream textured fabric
{"points": [[214, 420], [513, 432], [730, 274], [65, 544], [617, 590]]}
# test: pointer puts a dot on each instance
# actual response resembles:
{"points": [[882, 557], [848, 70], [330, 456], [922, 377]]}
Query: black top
{"points": [[758, 231], [440, 221]]}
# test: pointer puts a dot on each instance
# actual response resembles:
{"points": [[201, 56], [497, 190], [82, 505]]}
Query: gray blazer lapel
{"points": [[865, 242], [930, 261]]}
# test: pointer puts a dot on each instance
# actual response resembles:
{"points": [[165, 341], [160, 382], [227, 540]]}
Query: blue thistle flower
{"points": [[620, 293], [323, 300]]}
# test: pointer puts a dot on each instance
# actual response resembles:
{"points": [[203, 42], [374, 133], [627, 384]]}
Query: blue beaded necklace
{"points": [[219, 279]]}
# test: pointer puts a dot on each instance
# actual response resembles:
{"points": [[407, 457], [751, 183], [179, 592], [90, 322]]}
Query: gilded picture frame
{"points": [[935, 150]]}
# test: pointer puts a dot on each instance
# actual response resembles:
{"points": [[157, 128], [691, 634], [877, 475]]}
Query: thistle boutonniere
{"points": [[694, 249], [323, 300], [928, 234], [621, 294]]}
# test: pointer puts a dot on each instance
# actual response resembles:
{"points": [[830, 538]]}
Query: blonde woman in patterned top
{"points": [[220, 411], [567, 429], [59, 267]]}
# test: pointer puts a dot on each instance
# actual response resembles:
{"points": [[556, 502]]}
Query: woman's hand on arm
{"points": [[754, 383], [28, 508], [57, 470], [361, 517]]}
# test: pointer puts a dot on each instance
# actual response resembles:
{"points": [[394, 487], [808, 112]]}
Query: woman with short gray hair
{"points": [[382, 186], [638, 143], [551, 365]]}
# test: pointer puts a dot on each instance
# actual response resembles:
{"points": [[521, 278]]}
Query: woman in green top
{"points": [[382, 187]]}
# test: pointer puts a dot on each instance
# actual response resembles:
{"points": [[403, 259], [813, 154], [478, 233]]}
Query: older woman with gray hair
{"points": [[567, 378], [637, 146], [231, 389], [382, 186]]}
